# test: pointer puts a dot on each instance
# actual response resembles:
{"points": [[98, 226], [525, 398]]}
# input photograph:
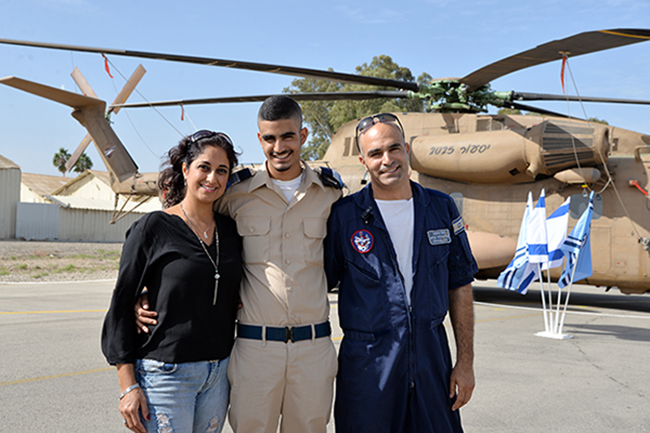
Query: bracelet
{"points": [[129, 389]]}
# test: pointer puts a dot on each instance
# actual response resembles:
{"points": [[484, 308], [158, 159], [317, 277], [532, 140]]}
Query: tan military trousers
{"points": [[269, 379]]}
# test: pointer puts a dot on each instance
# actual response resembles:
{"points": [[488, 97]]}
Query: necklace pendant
{"points": [[216, 286], [205, 235]]}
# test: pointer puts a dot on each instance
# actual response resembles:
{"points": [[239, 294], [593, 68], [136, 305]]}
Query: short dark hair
{"points": [[280, 107]]}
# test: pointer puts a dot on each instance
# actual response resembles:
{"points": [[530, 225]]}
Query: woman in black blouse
{"points": [[189, 259]]}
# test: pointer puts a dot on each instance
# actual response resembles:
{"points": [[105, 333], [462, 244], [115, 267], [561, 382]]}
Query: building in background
{"points": [[9, 197], [43, 207], [34, 187]]}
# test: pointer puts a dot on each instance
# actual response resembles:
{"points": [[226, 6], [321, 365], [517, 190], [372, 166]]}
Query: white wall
{"points": [[9, 196], [92, 225], [43, 221], [37, 221]]}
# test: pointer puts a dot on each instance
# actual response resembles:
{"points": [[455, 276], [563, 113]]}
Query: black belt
{"points": [[285, 334]]}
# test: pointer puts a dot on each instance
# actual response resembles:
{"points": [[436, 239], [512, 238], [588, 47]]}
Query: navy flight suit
{"points": [[394, 360]]}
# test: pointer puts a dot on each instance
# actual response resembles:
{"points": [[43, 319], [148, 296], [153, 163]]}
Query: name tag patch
{"points": [[362, 241], [439, 237], [458, 225]]}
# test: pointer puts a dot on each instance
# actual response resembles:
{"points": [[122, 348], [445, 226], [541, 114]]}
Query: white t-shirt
{"points": [[288, 187], [399, 218]]}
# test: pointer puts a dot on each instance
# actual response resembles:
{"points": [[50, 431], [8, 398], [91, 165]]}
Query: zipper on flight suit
{"points": [[409, 315], [409, 309]]}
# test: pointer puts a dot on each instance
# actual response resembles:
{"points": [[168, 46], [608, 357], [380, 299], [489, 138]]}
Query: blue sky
{"points": [[443, 38]]}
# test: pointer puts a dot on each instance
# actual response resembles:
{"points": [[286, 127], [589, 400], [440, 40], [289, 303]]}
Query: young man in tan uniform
{"points": [[281, 213]]}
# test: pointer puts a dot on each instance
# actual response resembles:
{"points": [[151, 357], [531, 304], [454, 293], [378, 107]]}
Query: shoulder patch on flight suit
{"points": [[439, 237], [458, 225], [330, 178], [240, 175], [362, 241]]}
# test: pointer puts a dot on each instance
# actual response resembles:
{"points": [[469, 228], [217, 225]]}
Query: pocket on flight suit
{"points": [[365, 307], [438, 281], [254, 231]]}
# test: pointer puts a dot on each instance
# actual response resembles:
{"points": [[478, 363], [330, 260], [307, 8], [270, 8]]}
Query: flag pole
{"points": [[557, 313], [568, 293], [553, 322], [541, 285]]}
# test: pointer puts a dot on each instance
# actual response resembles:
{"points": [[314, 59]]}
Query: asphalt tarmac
{"points": [[54, 378]]}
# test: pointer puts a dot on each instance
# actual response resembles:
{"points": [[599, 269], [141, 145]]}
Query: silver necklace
{"points": [[215, 264], [195, 225]]}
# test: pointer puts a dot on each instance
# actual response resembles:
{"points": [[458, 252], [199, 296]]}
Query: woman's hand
{"points": [[133, 402], [131, 405]]}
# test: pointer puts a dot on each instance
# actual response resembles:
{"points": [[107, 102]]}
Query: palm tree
{"points": [[83, 163], [59, 160]]}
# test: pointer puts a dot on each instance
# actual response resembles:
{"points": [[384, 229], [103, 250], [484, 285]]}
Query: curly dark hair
{"points": [[171, 182]]}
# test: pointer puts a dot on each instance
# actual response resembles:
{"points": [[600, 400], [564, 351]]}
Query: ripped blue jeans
{"points": [[184, 397]]}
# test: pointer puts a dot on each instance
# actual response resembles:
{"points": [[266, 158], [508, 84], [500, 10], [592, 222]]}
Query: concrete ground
{"points": [[53, 376]]}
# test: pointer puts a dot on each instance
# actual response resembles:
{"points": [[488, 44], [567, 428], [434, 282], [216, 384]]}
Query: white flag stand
{"points": [[566, 302], [533, 247], [555, 330]]}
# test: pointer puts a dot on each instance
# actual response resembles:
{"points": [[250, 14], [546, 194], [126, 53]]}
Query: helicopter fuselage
{"points": [[489, 163]]}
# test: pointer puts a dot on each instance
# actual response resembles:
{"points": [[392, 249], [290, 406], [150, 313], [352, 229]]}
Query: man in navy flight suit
{"points": [[400, 255]]}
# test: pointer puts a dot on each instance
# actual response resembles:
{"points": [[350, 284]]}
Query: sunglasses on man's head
{"points": [[204, 133], [368, 122]]}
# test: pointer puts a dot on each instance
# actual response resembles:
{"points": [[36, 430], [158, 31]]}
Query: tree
{"points": [[516, 111], [597, 120], [323, 118], [83, 163], [509, 111], [59, 160], [63, 156]]}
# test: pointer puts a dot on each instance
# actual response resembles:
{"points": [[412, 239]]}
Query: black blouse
{"points": [[163, 254]]}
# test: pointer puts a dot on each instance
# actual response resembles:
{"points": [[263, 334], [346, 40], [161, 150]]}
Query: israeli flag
{"points": [[520, 273], [577, 249], [536, 235], [556, 226]]}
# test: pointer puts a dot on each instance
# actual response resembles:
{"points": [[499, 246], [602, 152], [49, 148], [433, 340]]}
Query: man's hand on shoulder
{"points": [[143, 316]]}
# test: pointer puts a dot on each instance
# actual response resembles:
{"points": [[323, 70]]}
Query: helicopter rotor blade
{"points": [[128, 88], [518, 106], [64, 97], [316, 96], [524, 96], [87, 90], [260, 67], [582, 43], [120, 98], [82, 83], [78, 152]]}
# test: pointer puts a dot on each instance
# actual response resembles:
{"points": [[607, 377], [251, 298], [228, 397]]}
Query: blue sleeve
{"points": [[333, 254], [462, 265]]}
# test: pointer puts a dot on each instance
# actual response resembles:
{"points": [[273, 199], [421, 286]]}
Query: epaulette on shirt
{"points": [[330, 178], [239, 176]]}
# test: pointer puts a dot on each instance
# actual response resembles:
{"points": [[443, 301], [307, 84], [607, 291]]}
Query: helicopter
{"points": [[488, 163]]}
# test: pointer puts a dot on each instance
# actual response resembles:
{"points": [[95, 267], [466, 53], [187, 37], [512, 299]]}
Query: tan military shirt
{"points": [[284, 281]]}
